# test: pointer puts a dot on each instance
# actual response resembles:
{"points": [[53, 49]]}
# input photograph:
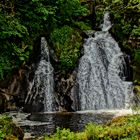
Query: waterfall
{"points": [[41, 87], [102, 73]]}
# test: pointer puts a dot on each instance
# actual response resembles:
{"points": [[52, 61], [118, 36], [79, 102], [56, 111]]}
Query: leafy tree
{"points": [[23, 22]]}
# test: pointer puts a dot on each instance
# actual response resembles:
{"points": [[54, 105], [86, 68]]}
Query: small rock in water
{"points": [[28, 136]]}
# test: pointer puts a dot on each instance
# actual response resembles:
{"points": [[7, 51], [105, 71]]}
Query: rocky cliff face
{"points": [[10, 92]]}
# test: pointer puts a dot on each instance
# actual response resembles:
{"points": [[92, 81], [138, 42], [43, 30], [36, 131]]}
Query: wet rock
{"points": [[136, 100], [68, 103], [28, 136], [3, 103], [34, 107], [63, 89]]}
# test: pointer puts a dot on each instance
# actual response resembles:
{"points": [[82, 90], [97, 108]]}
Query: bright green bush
{"points": [[67, 42], [64, 134], [8, 130]]}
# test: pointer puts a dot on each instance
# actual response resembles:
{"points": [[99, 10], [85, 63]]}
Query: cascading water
{"points": [[101, 73], [41, 88]]}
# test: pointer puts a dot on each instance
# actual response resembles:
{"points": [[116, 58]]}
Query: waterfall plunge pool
{"points": [[46, 123]]}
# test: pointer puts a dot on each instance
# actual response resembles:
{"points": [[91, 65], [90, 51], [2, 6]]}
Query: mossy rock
{"points": [[9, 130], [137, 89], [121, 120], [136, 99], [136, 73]]}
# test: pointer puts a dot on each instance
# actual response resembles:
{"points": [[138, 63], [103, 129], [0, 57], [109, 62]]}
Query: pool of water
{"points": [[46, 123], [74, 121]]}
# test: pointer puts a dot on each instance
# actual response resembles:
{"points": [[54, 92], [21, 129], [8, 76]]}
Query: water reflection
{"points": [[74, 121]]}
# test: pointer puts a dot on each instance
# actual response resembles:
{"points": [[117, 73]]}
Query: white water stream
{"points": [[102, 73], [42, 84]]}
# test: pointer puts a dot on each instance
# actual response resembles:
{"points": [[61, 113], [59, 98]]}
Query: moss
{"points": [[8, 130], [136, 99]]}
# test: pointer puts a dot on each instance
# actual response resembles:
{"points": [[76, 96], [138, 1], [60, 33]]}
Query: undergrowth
{"points": [[8, 130]]}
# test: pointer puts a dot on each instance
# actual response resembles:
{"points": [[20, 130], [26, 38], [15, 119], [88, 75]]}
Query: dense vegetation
{"points": [[23, 22], [62, 21], [126, 27], [8, 130], [121, 128]]}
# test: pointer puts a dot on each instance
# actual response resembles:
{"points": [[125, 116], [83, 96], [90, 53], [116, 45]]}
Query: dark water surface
{"points": [[74, 121]]}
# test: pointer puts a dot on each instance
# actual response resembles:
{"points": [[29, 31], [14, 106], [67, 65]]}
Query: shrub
{"points": [[8, 130], [67, 42]]}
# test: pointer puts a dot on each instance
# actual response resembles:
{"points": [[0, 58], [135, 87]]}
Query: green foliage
{"points": [[121, 128], [137, 57], [12, 36], [67, 43], [11, 27], [8, 130], [82, 25], [136, 65], [123, 19], [136, 106], [136, 31], [69, 10], [5, 66], [34, 16], [127, 129], [23, 22], [64, 134]]}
